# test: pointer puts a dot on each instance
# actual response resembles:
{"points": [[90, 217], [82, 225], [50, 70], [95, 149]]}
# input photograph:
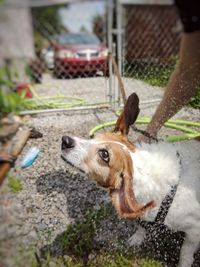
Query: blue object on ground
{"points": [[30, 157]]}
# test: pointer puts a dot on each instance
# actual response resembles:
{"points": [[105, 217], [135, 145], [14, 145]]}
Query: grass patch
{"points": [[119, 260], [78, 243], [195, 101], [77, 240], [14, 184], [149, 263], [153, 74], [156, 75], [76, 248], [104, 259]]}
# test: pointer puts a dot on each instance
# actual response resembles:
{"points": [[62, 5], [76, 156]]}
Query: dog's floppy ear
{"points": [[128, 115], [124, 200]]}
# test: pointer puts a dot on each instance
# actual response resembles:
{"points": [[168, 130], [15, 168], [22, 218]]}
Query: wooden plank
{"points": [[116, 71], [18, 143], [8, 130]]}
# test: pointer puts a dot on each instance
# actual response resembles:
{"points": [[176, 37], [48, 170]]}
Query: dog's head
{"points": [[107, 159]]}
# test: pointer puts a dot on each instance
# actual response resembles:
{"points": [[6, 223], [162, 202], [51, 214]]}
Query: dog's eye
{"points": [[104, 155]]}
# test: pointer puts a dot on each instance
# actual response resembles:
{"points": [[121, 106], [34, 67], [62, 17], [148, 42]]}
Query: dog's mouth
{"points": [[71, 164], [126, 204]]}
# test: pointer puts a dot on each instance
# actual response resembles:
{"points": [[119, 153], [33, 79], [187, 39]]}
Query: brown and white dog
{"points": [[139, 176]]}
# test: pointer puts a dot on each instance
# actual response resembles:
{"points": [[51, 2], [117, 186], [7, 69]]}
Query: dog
{"points": [[139, 177]]}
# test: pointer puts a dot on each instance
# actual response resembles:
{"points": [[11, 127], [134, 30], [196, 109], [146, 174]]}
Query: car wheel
{"points": [[57, 74], [106, 73]]}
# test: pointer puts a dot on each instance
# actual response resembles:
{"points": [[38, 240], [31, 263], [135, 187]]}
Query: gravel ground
{"points": [[54, 194]]}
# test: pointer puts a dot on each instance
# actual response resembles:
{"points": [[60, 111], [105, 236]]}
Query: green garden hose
{"points": [[53, 102], [59, 101], [189, 133]]}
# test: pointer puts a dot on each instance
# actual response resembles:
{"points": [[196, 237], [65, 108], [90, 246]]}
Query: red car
{"points": [[79, 53]]}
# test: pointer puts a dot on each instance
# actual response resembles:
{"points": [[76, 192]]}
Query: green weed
{"points": [[10, 102], [149, 263], [77, 240], [157, 75], [14, 184], [195, 101], [27, 258], [153, 75]]}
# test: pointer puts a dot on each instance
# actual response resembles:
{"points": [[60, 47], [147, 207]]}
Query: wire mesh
{"points": [[71, 47], [151, 42], [70, 43], [66, 46]]}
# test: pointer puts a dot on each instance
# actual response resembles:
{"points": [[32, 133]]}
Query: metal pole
{"points": [[119, 44], [113, 76], [119, 36], [110, 40], [40, 111]]}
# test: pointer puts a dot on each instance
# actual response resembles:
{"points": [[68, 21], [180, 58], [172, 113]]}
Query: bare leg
{"points": [[183, 83], [187, 251]]}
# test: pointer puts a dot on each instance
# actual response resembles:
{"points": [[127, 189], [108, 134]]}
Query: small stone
{"points": [[41, 226]]}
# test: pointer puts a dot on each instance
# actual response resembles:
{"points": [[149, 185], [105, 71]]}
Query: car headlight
{"points": [[104, 53], [65, 54]]}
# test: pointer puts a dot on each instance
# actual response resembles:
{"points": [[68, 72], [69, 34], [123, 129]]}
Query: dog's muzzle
{"points": [[67, 142]]}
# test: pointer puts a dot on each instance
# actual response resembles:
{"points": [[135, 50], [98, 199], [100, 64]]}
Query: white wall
{"points": [[16, 32], [147, 2]]}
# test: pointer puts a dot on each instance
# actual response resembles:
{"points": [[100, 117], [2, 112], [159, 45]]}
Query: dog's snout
{"points": [[67, 142]]}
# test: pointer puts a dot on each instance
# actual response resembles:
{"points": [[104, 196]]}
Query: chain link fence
{"points": [[69, 58], [71, 43], [150, 42], [71, 48]]}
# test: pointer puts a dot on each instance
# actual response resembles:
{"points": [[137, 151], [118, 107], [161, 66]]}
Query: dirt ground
{"points": [[53, 194]]}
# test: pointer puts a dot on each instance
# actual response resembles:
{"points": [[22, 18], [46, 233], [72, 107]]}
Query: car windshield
{"points": [[78, 39]]}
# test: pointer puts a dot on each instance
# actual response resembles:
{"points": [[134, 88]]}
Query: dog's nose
{"points": [[67, 142]]}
